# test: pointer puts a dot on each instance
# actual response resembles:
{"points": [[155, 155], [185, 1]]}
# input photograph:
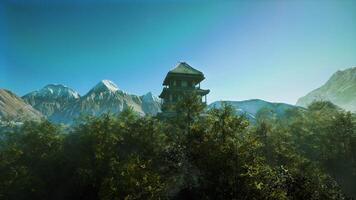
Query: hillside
{"points": [[340, 89], [13, 108]]}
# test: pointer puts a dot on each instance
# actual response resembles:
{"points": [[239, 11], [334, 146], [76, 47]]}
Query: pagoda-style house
{"points": [[179, 81]]}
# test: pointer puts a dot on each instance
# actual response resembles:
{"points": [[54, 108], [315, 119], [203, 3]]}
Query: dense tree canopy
{"points": [[198, 154]]}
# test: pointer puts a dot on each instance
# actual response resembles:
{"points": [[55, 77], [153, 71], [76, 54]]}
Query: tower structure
{"points": [[179, 81]]}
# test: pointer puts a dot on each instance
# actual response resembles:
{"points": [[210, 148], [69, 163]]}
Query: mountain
{"points": [[107, 97], [150, 104], [14, 108], [340, 89], [250, 108], [51, 99]]}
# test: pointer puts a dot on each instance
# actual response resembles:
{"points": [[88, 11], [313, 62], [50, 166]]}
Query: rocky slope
{"points": [[340, 89], [51, 99], [150, 104], [13, 108], [103, 98]]}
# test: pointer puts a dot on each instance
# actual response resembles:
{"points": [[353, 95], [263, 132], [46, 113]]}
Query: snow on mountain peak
{"points": [[106, 85], [110, 85], [55, 90], [61, 90]]}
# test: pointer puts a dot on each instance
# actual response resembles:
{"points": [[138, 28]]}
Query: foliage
{"points": [[197, 154]]}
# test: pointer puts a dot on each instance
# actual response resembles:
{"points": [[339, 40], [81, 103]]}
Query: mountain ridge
{"points": [[103, 97], [340, 89], [251, 107], [51, 98], [13, 108], [60, 103]]}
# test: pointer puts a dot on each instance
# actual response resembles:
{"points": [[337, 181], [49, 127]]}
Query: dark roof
{"points": [[184, 68], [166, 91]]}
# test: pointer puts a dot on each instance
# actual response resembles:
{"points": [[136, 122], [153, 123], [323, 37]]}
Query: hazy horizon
{"points": [[276, 51]]}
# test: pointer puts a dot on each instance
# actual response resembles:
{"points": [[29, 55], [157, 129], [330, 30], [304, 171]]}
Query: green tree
{"points": [[30, 158], [118, 158]]}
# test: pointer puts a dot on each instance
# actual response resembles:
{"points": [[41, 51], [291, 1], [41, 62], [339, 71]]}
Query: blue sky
{"points": [[272, 50]]}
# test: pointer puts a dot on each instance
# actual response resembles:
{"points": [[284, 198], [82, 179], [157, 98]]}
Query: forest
{"points": [[197, 154]]}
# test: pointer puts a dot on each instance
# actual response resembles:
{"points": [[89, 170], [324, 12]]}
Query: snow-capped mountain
{"points": [[60, 103], [107, 97], [104, 86], [51, 99], [340, 89], [55, 91], [13, 108], [250, 108], [150, 104]]}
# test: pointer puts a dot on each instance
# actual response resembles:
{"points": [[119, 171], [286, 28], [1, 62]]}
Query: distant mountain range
{"points": [[62, 104], [340, 89], [251, 108], [51, 99]]}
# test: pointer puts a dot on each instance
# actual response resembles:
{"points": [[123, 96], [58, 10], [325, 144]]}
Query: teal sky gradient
{"points": [[272, 50]]}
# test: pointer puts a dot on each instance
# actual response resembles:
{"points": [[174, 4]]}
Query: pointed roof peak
{"points": [[185, 68]]}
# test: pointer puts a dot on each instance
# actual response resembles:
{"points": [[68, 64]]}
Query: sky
{"points": [[272, 50]]}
